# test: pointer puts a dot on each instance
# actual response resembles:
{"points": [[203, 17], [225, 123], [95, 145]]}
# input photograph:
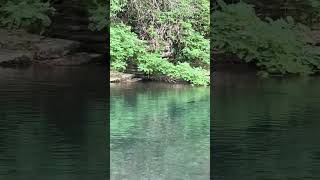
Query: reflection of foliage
{"points": [[280, 97], [161, 123], [265, 132], [161, 104]]}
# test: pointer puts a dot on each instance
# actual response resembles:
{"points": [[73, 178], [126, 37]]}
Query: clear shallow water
{"points": [[52, 124], [159, 132], [266, 129]]}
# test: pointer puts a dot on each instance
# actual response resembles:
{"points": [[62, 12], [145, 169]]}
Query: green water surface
{"points": [[52, 124], [266, 129], [159, 132]]}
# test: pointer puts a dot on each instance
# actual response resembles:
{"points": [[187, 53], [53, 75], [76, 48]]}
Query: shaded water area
{"points": [[159, 132], [52, 123], [266, 129]]}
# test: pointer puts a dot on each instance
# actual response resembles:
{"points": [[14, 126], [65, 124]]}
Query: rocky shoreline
{"points": [[119, 77], [19, 48]]}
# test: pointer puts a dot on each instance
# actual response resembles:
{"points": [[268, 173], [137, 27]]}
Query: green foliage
{"points": [[126, 46], [153, 63], [278, 47], [116, 6], [166, 38], [98, 17], [315, 4], [312, 10], [196, 48], [26, 13], [182, 28], [304, 11]]}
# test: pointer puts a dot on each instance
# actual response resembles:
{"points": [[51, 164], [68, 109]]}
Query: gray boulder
{"points": [[54, 48], [13, 58]]}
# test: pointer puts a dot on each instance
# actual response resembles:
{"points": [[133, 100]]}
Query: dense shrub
{"points": [[276, 46], [162, 38], [16, 14], [126, 46], [98, 16]]}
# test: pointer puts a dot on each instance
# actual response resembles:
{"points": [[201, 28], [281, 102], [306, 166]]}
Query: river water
{"points": [[52, 123], [266, 129], [159, 132], [52, 127]]}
